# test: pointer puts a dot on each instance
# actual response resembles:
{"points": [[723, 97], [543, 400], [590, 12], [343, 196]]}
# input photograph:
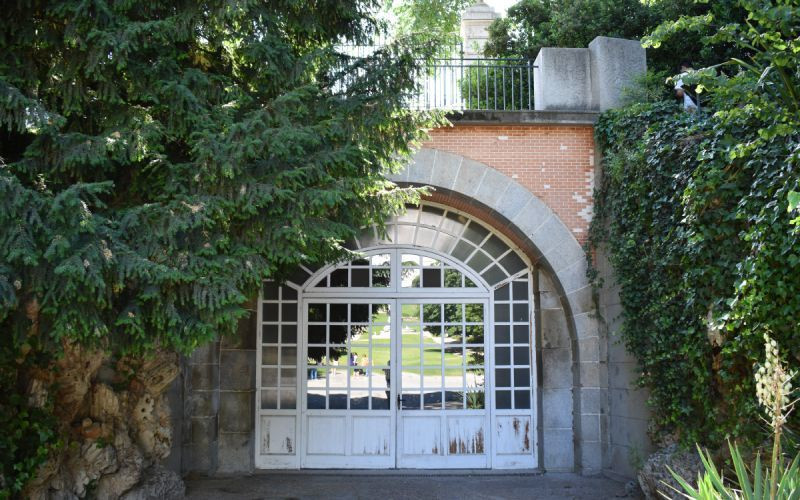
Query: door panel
{"points": [[443, 416], [348, 415]]}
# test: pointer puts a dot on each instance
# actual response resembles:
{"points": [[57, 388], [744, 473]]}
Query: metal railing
{"points": [[477, 84], [455, 82]]}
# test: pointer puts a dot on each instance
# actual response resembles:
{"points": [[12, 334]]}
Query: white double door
{"points": [[395, 382]]}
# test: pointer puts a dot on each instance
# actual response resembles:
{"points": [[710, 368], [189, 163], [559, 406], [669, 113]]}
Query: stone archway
{"points": [[573, 429]]}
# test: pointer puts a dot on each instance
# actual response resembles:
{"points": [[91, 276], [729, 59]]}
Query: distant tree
{"points": [[160, 159], [428, 16]]}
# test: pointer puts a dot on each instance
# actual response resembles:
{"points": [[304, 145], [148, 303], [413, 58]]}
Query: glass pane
{"points": [[453, 377], [317, 312], [502, 334], [380, 355], [338, 334], [432, 377], [288, 355], [503, 400], [453, 356], [462, 250], [521, 334], [339, 278], [520, 290], [453, 334], [475, 232], [410, 260], [359, 313], [313, 373], [522, 377], [432, 400], [288, 293], [380, 277], [269, 334], [430, 262], [360, 262], [473, 313], [452, 278], [475, 400], [521, 355], [288, 377], [315, 399], [269, 399], [269, 312], [289, 334], [495, 246], [410, 357], [315, 355], [360, 277], [522, 399], [270, 291], [289, 312], [288, 400], [502, 355], [452, 313], [474, 334], [380, 314], [337, 400], [359, 400], [494, 275], [432, 313], [338, 313], [479, 261], [359, 378], [512, 263], [359, 334], [410, 277], [381, 378], [475, 355], [469, 283], [380, 259], [501, 313], [454, 399], [269, 355], [316, 334], [520, 312], [337, 356], [503, 377], [380, 400], [501, 293], [269, 377], [475, 378], [380, 334], [432, 278]]}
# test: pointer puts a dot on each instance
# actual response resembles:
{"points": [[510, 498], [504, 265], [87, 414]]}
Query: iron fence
{"points": [[476, 84], [454, 82]]}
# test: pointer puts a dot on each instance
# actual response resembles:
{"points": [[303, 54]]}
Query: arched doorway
{"points": [[418, 354]]}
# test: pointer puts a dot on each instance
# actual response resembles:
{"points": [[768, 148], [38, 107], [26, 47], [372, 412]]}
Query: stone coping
{"points": [[523, 117]]}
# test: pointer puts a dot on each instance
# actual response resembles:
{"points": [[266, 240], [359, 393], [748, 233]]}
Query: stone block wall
{"points": [[217, 391]]}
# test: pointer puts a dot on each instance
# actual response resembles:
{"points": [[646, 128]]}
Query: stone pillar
{"points": [[591, 79], [562, 80], [475, 23], [616, 63]]}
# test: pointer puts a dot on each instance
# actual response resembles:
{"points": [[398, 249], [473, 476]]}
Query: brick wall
{"points": [[555, 162]]}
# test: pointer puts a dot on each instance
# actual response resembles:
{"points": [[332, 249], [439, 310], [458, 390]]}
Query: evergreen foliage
{"points": [[693, 211], [160, 159]]}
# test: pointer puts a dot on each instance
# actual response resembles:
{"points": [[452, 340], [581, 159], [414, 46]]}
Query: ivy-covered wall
{"points": [[693, 211]]}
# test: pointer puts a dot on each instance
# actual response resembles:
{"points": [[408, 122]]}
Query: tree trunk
{"points": [[114, 420]]}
